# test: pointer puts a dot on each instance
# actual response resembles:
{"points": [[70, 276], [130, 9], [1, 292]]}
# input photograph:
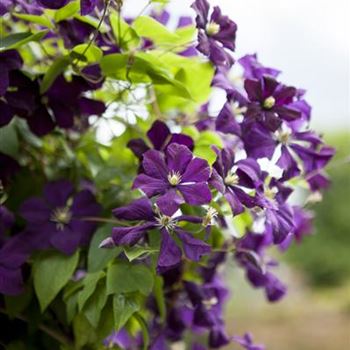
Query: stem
{"points": [[96, 30], [105, 220], [60, 337]]}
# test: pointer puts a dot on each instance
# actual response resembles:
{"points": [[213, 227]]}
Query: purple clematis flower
{"points": [[59, 218], [250, 255], [231, 178], [161, 137], [207, 301], [59, 105], [247, 342], [253, 69], [215, 34], [170, 254], [270, 102], [175, 170]]}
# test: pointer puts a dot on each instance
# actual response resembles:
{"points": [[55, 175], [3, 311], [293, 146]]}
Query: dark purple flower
{"points": [[253, 69], [59, 218], [170, 254], [161, 137], [175, 170], [270, 102], [233, 179], [59, 105], [53, 4], [215, 34], [247, 342]]}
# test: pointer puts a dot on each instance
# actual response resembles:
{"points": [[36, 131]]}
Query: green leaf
{"points": [[145, 334], [123, 308], [55, 69], [16, 304], [159, 295], [125, 36], [127, 278], [203, 146], [135, 252], [149, 28], [52, 270], [9, 143], [84, 333], [98, 258], [93, 307], [87, 53], [41, 20], [13, 41], [89, 282], [67, 11]]}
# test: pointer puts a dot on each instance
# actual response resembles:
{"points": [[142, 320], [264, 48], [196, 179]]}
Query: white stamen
{"points": [[212, 28], [174, 178], [61, 216], [231, 179]]}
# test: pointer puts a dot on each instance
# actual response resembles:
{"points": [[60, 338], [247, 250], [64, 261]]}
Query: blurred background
{"points": [[310, 42]]}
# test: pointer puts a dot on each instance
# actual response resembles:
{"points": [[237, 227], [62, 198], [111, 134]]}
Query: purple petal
{"points": [[170, 202], [202, 10], [130, 235], [158, 134], [35, 210], [195, 194], [169, 255], [194, 248], [197, 171], [57, 193], [178, 157], [11, 282], [149, 185], [226, 122], [139, 209], [87, 6], [154, 164], [66, 241]]}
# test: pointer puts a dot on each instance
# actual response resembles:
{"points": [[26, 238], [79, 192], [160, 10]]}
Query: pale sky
{"points": [[309, 40]]}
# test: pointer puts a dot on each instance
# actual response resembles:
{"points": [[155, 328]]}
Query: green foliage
{"points": [[126, 278], [51, 271], [99, 258], [123, 308], [16, 40]]}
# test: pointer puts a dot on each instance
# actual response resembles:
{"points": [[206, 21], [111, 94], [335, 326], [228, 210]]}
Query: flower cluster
{"points": [[174, 196]]}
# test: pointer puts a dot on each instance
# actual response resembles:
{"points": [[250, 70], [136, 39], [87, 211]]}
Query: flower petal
{"points": [[170, 254], [196, 194], [197, 171]]}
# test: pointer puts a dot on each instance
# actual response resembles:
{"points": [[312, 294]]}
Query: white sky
{"points": [[309, 40]]}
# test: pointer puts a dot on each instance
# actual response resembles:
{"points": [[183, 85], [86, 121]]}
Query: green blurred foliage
{"points": [[324, 256]]}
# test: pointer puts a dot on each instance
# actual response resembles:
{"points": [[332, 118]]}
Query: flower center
{"points": [[231, 179], [209, 217], [208, 303], [284, 137], [269, 102], [174, 178], [212, 28], [166, 222], [61, 216], [270, 192]]}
